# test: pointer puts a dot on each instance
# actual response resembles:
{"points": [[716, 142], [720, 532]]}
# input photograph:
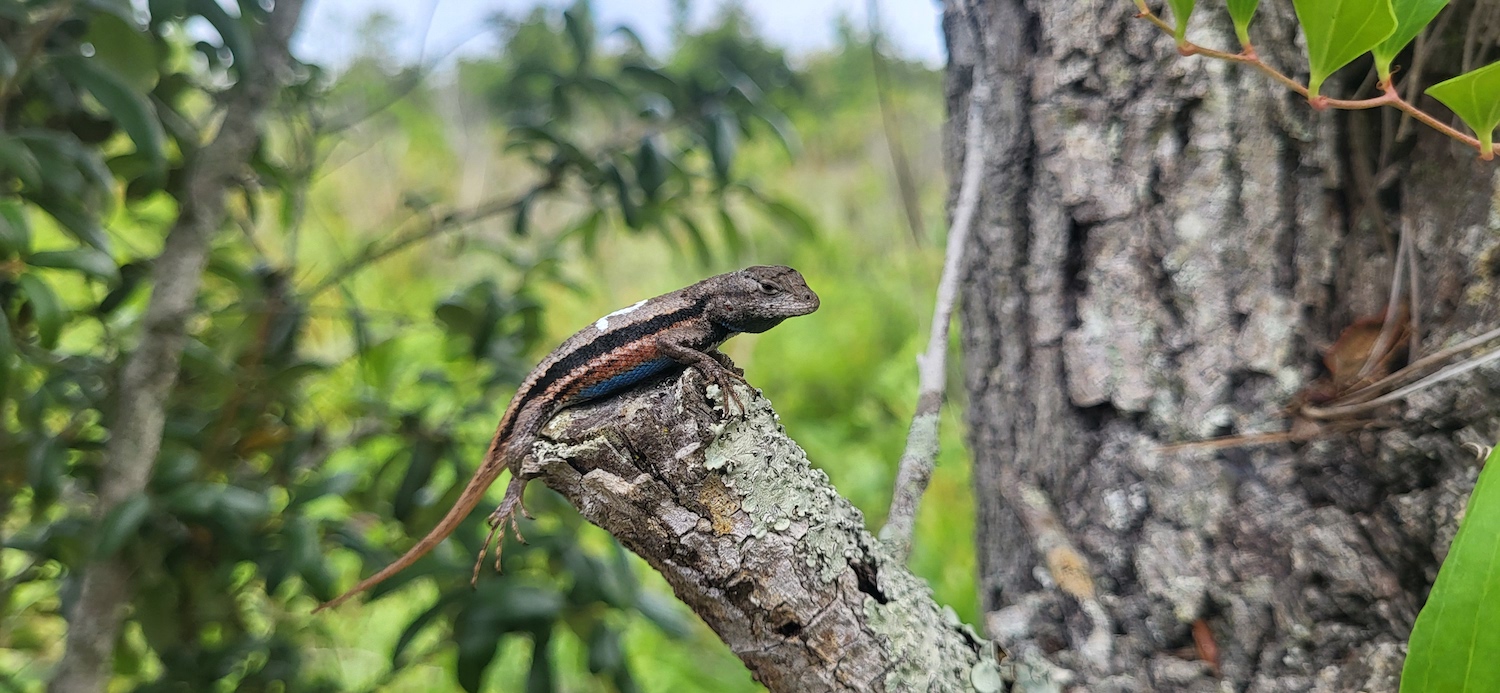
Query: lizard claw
{"points": [[503, 516], [725, 379]]}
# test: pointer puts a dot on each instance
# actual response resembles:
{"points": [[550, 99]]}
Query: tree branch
{"points": [[435, 227], [758, 543], [921, 451], [151, 370]]}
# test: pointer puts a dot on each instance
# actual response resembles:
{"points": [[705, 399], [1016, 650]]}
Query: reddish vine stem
{"points": [[1389, 95]]}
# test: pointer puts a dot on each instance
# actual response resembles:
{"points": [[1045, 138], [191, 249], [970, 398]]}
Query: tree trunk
{"points": [[758, 543], [151, 370], [1165, 248]]}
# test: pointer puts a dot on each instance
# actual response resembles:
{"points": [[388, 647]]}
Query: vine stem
{"points": [[1389, 95]]}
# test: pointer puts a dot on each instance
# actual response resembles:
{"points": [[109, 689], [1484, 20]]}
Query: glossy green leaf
{"points": [[1338, 31], [1241, 12], [125, 105], [86, 260], [120, 524], [1475, 97], [1454, 646], [46, 310], [1181, 11], [15, 231], [1411, 17], [17, 160]]}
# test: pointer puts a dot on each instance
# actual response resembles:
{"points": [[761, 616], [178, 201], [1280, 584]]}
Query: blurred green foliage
{"points": [[409, 244]]}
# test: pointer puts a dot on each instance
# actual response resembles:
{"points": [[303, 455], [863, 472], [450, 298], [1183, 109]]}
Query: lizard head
{"points": [[756, 299]]}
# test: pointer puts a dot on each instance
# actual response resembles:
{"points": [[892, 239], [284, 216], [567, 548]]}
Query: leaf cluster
{"points": [[1338, 32]]}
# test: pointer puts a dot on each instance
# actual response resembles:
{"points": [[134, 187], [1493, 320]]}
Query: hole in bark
{"points": [[790, 629], [868, 581]]}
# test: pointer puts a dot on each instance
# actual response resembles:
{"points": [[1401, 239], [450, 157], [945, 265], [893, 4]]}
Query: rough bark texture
{"points": [[758, 543], [1164, 247], [151, 371]]}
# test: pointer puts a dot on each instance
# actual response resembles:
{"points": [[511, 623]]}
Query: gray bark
{"points": [[758, 543], [151, 370], [1164, 247]]}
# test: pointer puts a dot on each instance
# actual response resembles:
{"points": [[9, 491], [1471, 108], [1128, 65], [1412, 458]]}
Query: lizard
{"points": [[681, 329]]}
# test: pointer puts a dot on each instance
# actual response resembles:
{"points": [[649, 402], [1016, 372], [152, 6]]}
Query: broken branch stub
{"points": [[757, 543]]}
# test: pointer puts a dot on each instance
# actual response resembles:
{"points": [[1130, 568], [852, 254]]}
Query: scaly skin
{"points": [[683, 328]]}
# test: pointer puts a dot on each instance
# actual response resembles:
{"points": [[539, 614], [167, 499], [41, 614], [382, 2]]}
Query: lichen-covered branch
{"points": [[758, 543], [151, 371]]}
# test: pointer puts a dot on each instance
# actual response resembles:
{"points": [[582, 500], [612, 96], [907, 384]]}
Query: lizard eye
{"points": [[769, 289]]}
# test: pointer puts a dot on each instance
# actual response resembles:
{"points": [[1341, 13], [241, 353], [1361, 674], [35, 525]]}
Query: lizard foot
{"points": [[726, 362], [503, 519], [726, 378]]}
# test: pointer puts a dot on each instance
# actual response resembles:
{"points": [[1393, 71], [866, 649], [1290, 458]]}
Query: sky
{"points": [[327, 35]]}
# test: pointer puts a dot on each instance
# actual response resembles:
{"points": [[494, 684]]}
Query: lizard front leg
{"points": [[711, 368]]}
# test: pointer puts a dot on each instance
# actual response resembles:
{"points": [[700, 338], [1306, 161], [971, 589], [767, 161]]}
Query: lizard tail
{"points": [[473, 493]]}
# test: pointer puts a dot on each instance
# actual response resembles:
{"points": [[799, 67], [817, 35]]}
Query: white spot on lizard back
{"points": [[603, 323]]}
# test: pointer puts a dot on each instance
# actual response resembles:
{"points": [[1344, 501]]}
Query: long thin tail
{"points": [[473, 493]]}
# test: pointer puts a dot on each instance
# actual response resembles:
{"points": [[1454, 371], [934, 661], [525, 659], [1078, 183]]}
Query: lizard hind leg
{"points": [[501, 520]]}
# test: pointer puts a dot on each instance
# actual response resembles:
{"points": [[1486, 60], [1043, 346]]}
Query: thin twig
{"points": [[439, 226], [921, 451], [1387, 337], [1414, 290], [1447, 373], [905, 183], [1390, 97]]}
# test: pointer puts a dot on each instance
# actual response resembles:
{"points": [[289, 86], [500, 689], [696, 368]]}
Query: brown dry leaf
{"points": [[1355, 346]]}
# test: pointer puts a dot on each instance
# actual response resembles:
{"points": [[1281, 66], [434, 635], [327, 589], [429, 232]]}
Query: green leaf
{"points": [[1242, 11], [17, 160], [7, 63], [723, 140], [75, 219], [789, 216], [46, 310], [1181, 10], [15, 232], [539, 679], [580, 33], [121, 523], [1338, 31], [7, 351], [476, 649], [127, 50], [419, 623], [125, 105], [1411, 17], [1475, 97], [1454, 647], [236, 39], [89, 261], [121, 9]]}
